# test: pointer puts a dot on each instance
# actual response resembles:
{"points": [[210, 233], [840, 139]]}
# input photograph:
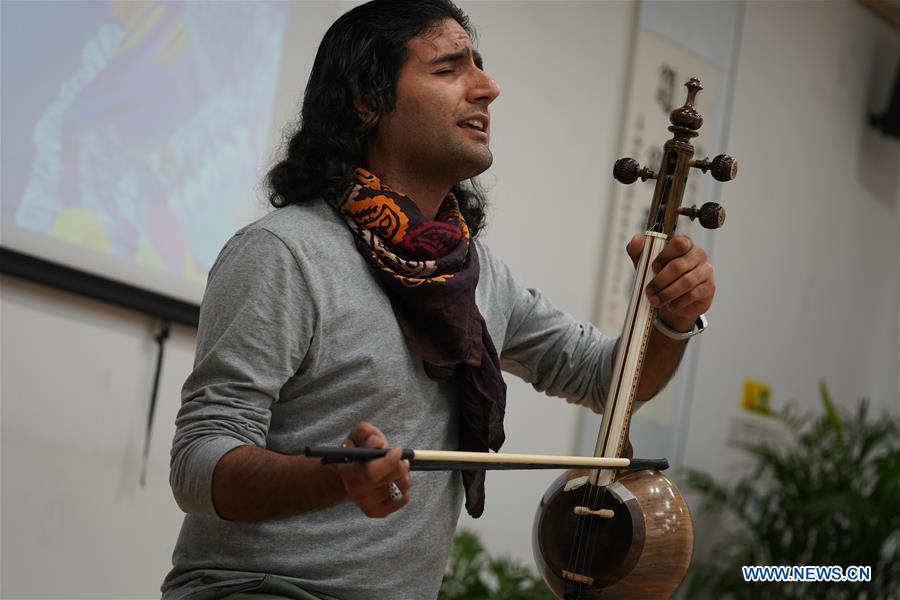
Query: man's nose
{"points": [[484, 88]]}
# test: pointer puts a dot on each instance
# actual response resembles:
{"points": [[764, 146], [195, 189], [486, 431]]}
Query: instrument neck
{"points": [[629, 360]]}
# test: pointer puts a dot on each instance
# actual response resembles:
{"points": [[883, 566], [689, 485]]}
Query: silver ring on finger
{"points": [[396, 494]]}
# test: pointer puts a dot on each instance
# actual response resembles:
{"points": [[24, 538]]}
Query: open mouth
{"points": [[476, 124]]}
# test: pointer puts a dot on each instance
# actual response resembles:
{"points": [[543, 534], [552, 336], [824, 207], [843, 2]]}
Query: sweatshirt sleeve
{"points": [[548, 348], [256, 324]]}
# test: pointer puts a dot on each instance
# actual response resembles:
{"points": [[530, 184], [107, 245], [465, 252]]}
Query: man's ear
{"points": [[366, 114]]}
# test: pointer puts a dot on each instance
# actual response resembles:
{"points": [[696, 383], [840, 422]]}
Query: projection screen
{"points": [[134, 138]]}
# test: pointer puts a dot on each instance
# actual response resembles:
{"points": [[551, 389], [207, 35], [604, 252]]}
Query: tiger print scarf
{"points": [[430, 270]]}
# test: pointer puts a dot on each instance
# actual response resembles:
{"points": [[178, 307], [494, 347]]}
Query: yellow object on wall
{"points": [[757, 397]]}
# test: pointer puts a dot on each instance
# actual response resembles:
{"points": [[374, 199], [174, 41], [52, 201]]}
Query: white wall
{"points": [[808, 260], [807, 263], [807, 267], [76, 381]]}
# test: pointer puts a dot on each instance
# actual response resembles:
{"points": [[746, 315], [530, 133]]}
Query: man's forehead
{"points": [[445, 37]]}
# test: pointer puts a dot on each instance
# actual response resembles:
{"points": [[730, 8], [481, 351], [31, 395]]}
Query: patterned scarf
{"points": [[430, 270]]}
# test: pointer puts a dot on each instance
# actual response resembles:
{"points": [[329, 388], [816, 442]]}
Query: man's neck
{"points": [[426, 194]]}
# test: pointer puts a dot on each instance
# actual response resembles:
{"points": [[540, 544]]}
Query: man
{"points": [[363, 312]]}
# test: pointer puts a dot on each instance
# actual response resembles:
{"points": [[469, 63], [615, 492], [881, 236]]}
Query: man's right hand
{"points": [[255, 484], [367, 483]]}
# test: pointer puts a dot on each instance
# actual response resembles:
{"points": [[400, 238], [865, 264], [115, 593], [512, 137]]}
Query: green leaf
{"points": [[833, 418]]}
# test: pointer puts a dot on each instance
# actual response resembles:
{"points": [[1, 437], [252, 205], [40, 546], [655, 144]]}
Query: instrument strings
{"points": [[581, 554]]}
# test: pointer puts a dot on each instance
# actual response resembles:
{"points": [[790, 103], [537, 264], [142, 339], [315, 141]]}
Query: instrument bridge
{"points": [[577, 578]]}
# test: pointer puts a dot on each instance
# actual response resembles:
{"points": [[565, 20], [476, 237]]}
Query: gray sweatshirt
{"points": [[297, 343]]}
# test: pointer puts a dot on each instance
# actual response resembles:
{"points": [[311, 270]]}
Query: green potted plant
{"points": [[472, 574], [830, 495]]}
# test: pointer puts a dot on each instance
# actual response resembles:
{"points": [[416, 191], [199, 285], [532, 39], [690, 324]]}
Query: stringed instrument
{"points": [[606, 533]]}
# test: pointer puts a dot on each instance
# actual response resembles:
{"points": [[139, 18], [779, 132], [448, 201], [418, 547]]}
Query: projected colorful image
{"points": [[138, 130]]}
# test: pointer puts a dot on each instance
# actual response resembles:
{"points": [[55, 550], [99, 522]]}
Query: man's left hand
{"points": [[684, 284]]}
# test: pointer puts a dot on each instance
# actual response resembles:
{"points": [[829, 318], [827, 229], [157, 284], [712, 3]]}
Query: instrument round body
{"points": [[642, 551]]}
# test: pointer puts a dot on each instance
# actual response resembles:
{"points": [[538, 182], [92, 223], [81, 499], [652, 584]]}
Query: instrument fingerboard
{"points": [[630, 356]]}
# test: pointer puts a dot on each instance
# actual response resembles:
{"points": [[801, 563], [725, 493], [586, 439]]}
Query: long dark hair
{"points": [[358, 63]]}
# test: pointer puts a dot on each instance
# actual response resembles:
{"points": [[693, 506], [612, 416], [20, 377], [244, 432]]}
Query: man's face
{"points": [[440, 127]]}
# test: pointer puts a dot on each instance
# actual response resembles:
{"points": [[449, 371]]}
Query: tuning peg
{"points": [[627, 170], [710, 215], [723, 167]]}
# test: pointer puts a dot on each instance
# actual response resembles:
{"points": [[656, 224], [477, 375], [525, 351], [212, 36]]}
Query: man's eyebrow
{"points": [[458, 55]]}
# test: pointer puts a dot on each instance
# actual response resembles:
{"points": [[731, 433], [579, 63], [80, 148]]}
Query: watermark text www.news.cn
{"points": [[759, 573]]}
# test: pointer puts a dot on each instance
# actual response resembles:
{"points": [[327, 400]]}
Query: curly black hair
{"points": [[358, 63]]}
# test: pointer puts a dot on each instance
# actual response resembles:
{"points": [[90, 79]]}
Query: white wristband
{"points": [[700, 326]]}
